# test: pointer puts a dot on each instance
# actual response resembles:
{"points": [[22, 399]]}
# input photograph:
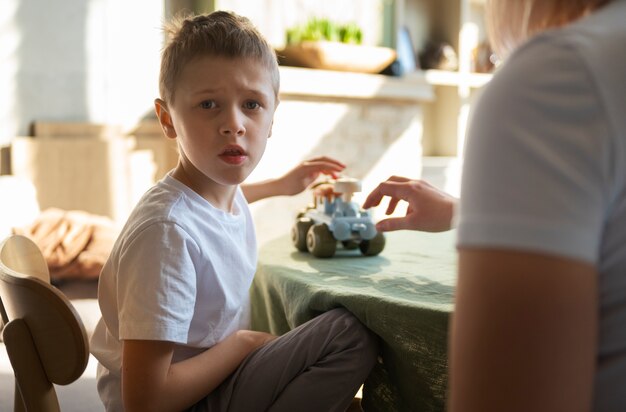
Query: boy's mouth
{"points": [[233, 155]]}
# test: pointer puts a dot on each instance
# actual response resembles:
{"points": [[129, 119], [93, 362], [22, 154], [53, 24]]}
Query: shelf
{"points": [[348, 85], [455, 79]]}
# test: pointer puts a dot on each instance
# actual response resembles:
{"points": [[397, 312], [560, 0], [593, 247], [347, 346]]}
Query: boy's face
{"points": [[222, 117]]}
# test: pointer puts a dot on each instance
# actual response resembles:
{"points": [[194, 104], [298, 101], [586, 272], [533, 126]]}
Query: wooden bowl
{"points": [[337, 56]]}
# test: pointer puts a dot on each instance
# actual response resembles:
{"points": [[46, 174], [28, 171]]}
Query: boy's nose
{"points": [[232, 124]]}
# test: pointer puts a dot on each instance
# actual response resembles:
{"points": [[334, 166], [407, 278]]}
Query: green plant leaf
{"points": [[317, 29]]}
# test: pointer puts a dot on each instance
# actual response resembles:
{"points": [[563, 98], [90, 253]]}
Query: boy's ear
{"points": [[272, 125], [160, 107]]}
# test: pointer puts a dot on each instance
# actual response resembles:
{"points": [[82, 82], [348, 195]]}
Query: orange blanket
{"points": [[74, 243]]}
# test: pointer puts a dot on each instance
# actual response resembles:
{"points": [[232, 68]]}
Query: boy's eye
{"points": [[207, 104], [251, 105]]}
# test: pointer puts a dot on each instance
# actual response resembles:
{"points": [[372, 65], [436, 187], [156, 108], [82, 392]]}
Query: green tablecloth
{"points": [[405, 295]]}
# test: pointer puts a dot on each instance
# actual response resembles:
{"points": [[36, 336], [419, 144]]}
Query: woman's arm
{"points": [[294, 181], [523, 334], [150, 382]]}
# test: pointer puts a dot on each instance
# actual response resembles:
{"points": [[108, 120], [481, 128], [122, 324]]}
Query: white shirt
{"points": [[180, 271], [545, 167]]}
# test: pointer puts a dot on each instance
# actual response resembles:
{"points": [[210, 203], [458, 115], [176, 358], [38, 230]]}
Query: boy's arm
{"points": [[151, 382], [294, 181]]}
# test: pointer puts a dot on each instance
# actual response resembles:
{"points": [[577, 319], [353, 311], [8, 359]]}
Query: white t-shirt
{"points": [[180, 271], [545, 167]]}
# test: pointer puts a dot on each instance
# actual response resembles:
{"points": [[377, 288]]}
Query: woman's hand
{"points": [[429, 209]]}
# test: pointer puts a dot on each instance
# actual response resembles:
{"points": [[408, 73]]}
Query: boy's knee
{"points": [[355, 331]]}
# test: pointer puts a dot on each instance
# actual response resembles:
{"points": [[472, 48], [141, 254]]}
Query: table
{"points": [[405, 295]]}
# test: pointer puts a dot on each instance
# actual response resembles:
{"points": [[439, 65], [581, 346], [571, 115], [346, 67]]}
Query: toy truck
{"points": [[334, 218]]}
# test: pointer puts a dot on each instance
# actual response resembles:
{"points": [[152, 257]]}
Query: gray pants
{"points": [[317, 367]]}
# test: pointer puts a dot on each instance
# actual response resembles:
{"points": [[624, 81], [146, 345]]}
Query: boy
{"points": [[174, 292]]}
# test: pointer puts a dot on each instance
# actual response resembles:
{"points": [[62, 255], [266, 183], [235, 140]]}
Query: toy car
{"points": [[334, 217]]}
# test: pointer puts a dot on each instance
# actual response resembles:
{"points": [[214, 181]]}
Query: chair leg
{"points": [[37, 392], [18, 403]]}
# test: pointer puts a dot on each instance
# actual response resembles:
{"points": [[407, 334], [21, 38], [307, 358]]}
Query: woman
{"points": [[540, 317]]}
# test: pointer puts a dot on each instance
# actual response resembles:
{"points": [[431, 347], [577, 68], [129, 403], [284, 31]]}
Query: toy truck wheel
{"points": [[320, 242], [373, 246], [299, 231]]}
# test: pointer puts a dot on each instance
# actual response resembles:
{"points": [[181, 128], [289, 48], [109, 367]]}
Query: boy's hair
{"points": [[511, 22], [220, 33]]}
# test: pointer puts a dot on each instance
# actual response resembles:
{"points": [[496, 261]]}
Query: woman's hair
{"points": [[510, 22], [220, 33]]}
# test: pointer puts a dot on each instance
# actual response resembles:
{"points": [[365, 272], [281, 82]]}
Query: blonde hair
{"points": [[219, 33], [511, 22]]}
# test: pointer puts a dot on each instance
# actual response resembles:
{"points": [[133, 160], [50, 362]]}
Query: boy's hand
{"points": [[294, 181], [301, 176], [429, 210], [254, 339]]}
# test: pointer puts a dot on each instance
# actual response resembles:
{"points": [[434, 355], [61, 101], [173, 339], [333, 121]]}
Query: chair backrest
{"points": [[44, 336]]}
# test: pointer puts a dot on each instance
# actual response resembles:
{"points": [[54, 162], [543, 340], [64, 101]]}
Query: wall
{"points": [[77, 60]]}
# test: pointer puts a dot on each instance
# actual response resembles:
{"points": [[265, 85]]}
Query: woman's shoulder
{"points": [[544, 93], [571, 72], [592, 46], [544, 75]]}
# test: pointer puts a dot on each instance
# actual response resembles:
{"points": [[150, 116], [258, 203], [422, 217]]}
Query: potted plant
{"points": [[324, 44]]}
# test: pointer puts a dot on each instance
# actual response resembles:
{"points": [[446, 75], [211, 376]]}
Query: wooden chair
{"points": [[43, 334]]}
